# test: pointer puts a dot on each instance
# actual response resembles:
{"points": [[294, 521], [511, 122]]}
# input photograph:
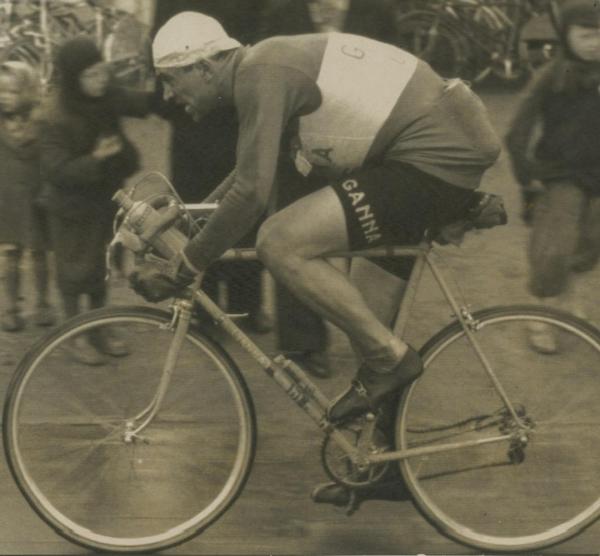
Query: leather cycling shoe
{"points": [[339, 495], [369, 388], [331, 493]]}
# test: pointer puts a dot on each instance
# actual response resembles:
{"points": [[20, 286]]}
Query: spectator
{"points": [[301, 333], [559, 171], [370, 18], [86, 157], [21, 221], [203, 153]]}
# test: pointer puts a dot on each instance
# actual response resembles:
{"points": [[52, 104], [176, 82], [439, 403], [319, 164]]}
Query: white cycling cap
{"points": [[188, 37]]}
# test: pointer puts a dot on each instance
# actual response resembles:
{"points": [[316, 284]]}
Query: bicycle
{"points": [[474, 39], [117, 459], [41, 26]]}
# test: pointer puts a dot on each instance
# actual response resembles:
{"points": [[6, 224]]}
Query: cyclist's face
{"points": [[94, 80], [192, 87], [584, 42], [10, 94]]}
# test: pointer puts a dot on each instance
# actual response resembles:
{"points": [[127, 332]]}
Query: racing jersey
{"points": [[338, 102]]}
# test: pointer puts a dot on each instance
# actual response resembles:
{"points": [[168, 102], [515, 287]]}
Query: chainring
{"points": [[339, 466]]}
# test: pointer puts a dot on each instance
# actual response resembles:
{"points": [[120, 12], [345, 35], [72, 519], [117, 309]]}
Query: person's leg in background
{"points": [[12, 321], [44, 314], [79, 255], [588, 252], [555, 237]]}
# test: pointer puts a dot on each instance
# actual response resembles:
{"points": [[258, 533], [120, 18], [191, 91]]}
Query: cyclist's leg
{"points": [[382, 290], [292, 244]]}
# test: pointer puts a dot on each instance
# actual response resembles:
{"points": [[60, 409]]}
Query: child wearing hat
{"points": [[559, 168], [86, 157]]}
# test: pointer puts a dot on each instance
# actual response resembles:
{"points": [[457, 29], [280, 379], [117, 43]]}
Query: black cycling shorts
{"points": [[396, 203]]}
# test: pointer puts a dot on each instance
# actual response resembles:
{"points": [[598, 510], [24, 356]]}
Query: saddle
{"points": [[485, 211]]}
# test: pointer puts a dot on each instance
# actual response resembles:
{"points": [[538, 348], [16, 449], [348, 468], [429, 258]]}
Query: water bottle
{"points": [[153, 226]]}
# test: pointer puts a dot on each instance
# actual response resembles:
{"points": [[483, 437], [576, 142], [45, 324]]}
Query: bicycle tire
{"points": [[63, 432], [449, 56], [491, 497]]}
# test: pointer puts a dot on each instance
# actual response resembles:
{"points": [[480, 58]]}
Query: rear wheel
{"points": [[518, 494], [69, 443]]}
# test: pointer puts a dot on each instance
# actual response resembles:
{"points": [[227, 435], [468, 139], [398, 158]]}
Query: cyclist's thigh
{"points": [[310, 227], [395, 203]]}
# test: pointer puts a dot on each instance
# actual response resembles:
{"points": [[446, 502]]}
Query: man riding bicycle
{"points": [[399, 150]]}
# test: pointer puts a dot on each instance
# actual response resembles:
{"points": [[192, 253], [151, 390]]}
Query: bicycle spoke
{"points": [[507, 494], [69, 441]]}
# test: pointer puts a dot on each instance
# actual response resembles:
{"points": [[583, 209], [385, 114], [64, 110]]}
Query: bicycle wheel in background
{"points": [[428, 36], [23, 50], [490, 496], [65, 424]]}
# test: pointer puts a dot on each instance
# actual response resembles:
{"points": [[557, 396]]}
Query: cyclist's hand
{"points": [[155, 283]]}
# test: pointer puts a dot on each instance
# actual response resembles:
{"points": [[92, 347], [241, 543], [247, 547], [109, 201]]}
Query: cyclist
{"points": [[399, 150], [560, 179]]}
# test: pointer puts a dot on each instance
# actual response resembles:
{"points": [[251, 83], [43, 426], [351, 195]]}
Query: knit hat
{"points": [[585, 13], [575, 12], [75, 56]]}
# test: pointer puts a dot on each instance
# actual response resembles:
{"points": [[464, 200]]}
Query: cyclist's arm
{"points": [[221, 190], [266, 97]]}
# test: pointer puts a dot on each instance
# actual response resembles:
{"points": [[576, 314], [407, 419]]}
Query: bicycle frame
{"points": [[295, 382]]}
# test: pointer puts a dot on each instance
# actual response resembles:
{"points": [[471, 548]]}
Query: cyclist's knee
{"points": [[272, 242]]}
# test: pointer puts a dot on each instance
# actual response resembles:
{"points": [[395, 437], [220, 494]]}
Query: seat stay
{"points": [[469, 326]]}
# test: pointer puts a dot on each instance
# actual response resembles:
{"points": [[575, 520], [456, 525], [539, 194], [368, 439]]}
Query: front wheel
{"points": [[539, 487], [71, 442]]}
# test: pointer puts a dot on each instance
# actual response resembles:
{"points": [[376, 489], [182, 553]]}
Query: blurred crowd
{"points": [[64, 156]]}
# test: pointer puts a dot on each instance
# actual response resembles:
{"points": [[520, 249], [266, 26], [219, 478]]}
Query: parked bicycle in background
{"points": [[31, 30], [475, 39]]}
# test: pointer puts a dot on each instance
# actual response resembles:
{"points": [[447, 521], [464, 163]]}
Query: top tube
{"points": [[420, 249]]}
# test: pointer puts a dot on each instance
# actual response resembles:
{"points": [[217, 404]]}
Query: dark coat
{"points": [[19, 183], [80, 184], [370, 18], [555, 134]]}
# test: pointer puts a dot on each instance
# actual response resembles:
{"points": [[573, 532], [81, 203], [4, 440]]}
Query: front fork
{"points": [[179, 325]]}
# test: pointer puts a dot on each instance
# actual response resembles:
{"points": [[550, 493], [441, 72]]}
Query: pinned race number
{"points": [[302, 164]]}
